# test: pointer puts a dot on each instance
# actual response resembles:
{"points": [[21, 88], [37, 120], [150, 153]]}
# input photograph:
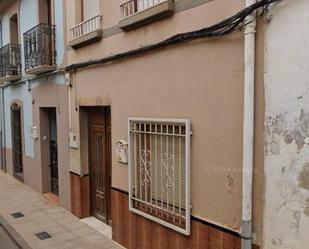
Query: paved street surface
{"points": [[5, 241], [67, 231]]}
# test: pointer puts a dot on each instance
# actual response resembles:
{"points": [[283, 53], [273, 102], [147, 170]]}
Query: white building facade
{"points": [[286, 215]]}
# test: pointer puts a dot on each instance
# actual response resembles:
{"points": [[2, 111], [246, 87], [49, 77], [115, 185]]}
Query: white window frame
{"points": [[187, 123]]}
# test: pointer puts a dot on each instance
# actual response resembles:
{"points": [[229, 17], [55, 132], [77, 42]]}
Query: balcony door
{"points": [[90, 9], [145, 4], [46, 11], [14, 29], [46, 44], [17, 152]]}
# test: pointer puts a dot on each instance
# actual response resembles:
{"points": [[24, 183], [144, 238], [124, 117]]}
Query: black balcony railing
{"points": [[10, 64], [39, 46]]}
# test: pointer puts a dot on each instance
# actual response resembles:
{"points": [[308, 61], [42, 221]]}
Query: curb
{"points": [[20, 242]]}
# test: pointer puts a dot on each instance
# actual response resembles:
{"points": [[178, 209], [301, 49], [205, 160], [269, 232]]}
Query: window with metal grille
{"points": [[159, 171]]}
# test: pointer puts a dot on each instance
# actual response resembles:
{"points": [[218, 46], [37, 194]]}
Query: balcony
{"points": [[40, 49], [135, 13], [86, 32], [10, 63]]}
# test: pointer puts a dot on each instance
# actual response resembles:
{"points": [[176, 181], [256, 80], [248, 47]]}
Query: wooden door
{"points": [[16, 127], [53, 147], [45, 12], [44, 36], [14, 29], [100, 162], [49, 12]]}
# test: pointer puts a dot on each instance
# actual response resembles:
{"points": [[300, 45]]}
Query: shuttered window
{"points": [[159, 164]]}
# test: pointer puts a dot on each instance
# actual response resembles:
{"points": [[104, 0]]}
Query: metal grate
{"points": [[86, 27], [17, 215], [131, 7], [43, 235], [159, 164], [39, 46], [10, 63]]}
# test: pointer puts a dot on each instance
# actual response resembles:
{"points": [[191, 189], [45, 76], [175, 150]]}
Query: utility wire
{"points": [[222, 28]]}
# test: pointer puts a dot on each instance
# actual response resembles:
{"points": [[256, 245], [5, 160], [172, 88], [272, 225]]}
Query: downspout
{"points": [[248, 129]]}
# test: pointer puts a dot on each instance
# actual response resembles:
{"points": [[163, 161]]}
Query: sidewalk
{"points": [[67, 231]]}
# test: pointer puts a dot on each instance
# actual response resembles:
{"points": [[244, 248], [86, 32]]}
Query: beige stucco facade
{"points": [[201, 81], [56, 98]]}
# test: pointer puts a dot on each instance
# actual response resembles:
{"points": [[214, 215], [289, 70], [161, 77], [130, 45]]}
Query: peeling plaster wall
{"points": [[286, 216]]}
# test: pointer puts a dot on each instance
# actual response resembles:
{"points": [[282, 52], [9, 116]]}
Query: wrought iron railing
{"points": [[10, 63], [131, 7], [39, 46], [86, 27]]}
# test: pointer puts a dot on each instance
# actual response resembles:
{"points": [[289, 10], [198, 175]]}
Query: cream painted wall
{"points": [[201, 80], [209, 95], [286, 219]]}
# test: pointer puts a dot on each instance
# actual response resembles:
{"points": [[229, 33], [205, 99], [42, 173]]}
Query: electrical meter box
{"points": [[74, 140], [122, 151], [34, 132]]}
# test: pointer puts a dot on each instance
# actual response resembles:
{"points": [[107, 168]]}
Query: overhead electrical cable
{"points": [[222, 28]]}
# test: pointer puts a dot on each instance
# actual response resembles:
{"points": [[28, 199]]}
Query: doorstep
{"points": [[54, 199], [99, 226]]}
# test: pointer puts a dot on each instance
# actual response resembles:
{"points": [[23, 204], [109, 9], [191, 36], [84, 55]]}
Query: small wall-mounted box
{"points": [[34, 132], [67, 77], [122, 151], [74, 140]]}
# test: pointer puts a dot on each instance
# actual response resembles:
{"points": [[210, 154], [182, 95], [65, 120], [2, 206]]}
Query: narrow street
{"points": [[5, 240], [39, 224]]}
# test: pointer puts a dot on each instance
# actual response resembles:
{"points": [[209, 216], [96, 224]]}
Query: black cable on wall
{"points": [[222, 28]]}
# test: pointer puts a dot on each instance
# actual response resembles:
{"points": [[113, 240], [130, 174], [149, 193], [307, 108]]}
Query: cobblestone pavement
{"points": [[67, 231]]}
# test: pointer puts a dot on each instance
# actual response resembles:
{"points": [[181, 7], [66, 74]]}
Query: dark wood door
{"points": [[45, 11], [16, 127], [53, 147], [49, 12], [100, 162], [54, 167]]}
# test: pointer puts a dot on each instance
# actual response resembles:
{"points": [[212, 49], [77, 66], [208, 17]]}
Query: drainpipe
{"points": [[248, 130]]}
